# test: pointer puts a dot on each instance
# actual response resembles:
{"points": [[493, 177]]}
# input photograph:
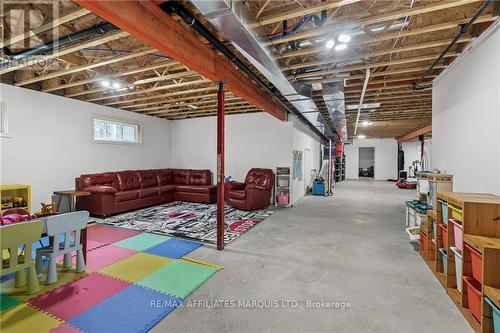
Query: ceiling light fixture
{"points": [[193, 106], [116, 85], [340, 47], [105, 83], [361, 136], [330, 43], [344, 38], [366, 123]]}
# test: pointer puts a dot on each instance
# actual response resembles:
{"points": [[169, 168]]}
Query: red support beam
{"points": [[415, 134], [150, 24], [220, 166]]}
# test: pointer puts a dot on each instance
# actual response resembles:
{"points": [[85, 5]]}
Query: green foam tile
{"points": [[179, 278], [142, 241], [7, 302]]}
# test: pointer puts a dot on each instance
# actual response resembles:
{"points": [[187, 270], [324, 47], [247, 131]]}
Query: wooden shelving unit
{"points": [[16, 190], [481, 231]]}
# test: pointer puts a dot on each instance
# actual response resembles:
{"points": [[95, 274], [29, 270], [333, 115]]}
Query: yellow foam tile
{"points": [[63, 277], [24, 318], [136, 267]]}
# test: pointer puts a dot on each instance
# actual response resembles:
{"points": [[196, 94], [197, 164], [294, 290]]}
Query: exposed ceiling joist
{"points": [[64, 18], [149, 23]]}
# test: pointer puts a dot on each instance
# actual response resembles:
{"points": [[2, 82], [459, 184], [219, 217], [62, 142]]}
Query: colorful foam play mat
{"points": [[133, 280], [189, 220]]}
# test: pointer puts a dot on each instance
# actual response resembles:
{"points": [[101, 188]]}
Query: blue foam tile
{"points": [[173, 248], [134, 309]]}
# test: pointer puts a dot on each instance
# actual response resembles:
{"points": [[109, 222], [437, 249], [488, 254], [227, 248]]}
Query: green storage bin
{"points": [[442, 250], [456, 213], [496, 315], [435, 228], [444, 211]]}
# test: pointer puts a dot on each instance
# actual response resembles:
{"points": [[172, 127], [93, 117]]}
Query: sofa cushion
{"points": [[181, 176], [105, 178], [100, 189], [196, 188], [260, 178], [148, 178], [126, 195], [200, 177], [148, 192], [165, 177], [166, 189], [128, 180], [236, 194]]}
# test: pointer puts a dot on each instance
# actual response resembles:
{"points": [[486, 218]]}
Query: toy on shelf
{"points": [[47, 210], [16, 196]]}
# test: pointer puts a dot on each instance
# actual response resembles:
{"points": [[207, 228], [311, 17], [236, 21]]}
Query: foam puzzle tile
{"points": [[142, 242], [106, 235], [65, 328], [173, 248], [179, 278], [64, 276], [136, 267], [107, 255], [134, 309], [75, 297], [24, 318], [7, 302]]}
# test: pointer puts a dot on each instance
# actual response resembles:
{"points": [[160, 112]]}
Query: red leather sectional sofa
{"points": [[116, 192]]}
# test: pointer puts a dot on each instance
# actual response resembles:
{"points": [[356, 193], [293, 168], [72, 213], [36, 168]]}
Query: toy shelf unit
{"points": [[283, 187], [15, 196], [465, 253], [434, 183]]}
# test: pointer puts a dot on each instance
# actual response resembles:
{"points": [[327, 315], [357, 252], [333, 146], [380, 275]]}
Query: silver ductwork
{"points": [[232, 19], [333, 96]]}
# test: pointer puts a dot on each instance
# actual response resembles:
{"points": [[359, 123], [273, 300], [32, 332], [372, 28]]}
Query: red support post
{"points": [[220, 166]]}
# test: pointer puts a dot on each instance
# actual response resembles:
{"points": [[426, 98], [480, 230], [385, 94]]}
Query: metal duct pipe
{"points": [[73, 37], [232, 19], [173, 6], [462, 31]]}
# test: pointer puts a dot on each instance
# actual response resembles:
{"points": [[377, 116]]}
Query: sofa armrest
{"points": [[100, 189], [235, 186]]}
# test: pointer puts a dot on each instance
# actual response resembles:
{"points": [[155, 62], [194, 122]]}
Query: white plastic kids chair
{"points": [[12, 238], [57, 226]]}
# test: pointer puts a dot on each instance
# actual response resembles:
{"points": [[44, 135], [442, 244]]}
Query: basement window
{"points": [[115, 131]]}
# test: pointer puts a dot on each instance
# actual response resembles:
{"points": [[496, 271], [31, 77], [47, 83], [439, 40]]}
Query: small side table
{"points": [[71, 196]]}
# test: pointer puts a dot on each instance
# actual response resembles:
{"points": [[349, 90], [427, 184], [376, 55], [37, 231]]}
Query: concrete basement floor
{"points": [[348, 247]]}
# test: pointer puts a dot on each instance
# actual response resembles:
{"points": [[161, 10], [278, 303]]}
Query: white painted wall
{"points": [[49, 142], [252, 140], [466, 118], [386, 162], [411, 153], [307, 142]]}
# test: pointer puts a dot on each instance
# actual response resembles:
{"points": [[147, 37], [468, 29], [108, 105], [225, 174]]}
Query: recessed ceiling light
{"points": [[105, 83], [361, 136], [344, 38], [330, 43], [366, 123], [340, 47], [116, 85]]}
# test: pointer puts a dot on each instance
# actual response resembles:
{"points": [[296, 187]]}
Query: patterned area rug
{"points": [[189, 220]]}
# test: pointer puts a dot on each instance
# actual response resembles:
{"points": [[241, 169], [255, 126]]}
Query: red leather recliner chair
{"points": [[254, 193]]}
